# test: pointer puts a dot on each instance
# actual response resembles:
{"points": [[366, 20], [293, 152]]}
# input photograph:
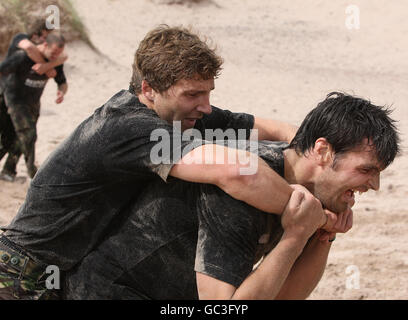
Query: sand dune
{"points": [[281, 59]]}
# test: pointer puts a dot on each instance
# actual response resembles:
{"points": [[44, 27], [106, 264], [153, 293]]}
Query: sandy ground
{"points": [[281, 59]]}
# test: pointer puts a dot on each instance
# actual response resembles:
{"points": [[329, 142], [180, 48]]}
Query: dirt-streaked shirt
{"points": [[95, 174], [13, 46], [173, 231]]}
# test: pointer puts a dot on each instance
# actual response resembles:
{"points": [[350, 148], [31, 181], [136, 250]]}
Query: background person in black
{"points": [[37, 33], [189, 241], [22, 90], [28, 42]]}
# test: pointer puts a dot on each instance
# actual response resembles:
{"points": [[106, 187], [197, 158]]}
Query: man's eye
{"points": [[364, 171]]}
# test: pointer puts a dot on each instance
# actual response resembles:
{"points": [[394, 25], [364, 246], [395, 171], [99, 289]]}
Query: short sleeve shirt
{"points": [[173, 231], [20, 84], [13, 47], [92, 177], [232, 235]]}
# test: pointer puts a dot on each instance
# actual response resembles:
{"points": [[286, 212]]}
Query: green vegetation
{"points": [[18, 16]]}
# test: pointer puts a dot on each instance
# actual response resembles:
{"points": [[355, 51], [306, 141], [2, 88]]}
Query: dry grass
{"points": [[10, 25], [19, 15]]}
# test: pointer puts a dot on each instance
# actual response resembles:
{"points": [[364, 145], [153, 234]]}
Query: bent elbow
{"points": [[237, 179], [30, 49]]}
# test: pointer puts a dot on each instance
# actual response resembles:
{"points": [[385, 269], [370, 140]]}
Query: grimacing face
{"points": [[187, 101], [53, 51], [356, 170]]}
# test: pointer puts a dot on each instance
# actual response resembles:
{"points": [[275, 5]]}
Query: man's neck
{"points": [[299, 169], [145, 101]]}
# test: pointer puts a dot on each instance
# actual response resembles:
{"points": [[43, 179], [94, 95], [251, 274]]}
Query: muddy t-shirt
{"points": [[92, 176], [21, 85], [173, 231], [13, 47]]}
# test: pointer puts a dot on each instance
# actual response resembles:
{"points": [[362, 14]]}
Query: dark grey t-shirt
{"points": [[13, 46], [22, 86], [173, 231], [93, 176]]}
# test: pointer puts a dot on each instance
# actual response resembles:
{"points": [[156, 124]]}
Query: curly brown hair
{"points": [[168, 54]]}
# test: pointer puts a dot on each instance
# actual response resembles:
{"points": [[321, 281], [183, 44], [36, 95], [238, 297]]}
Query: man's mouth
{"points": [[348, 196], [190, 121]]}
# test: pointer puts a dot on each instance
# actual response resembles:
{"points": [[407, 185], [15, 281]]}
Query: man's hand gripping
{"points": [[335, 222]]}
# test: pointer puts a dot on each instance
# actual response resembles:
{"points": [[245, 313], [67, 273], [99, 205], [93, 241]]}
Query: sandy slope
{"points": [[280, 60]]}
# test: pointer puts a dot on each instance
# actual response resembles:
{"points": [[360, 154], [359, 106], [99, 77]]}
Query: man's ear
{"points": [[323, 152], [148, 91]]}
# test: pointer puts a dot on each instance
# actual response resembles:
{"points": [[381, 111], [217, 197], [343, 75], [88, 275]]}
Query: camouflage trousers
{"points": [[20, 277], [18, 135]]}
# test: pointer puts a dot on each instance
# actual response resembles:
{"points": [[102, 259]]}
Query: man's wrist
{"points": [[296, 241], [325, 236]]}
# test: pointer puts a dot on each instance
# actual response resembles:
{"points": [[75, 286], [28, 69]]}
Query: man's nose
{"points": [[205, 106]]}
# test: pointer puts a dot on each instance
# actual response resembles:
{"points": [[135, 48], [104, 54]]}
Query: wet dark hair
{"points": [[345, 121], [37, 28]]}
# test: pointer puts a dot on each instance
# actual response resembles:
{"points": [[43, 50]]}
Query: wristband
{"points": [[331, 240]]}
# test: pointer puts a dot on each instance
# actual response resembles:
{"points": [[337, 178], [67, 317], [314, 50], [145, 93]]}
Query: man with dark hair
{"points": [[20, 103], [345, 132], [189, 241], [81, 190], [36, 34]]}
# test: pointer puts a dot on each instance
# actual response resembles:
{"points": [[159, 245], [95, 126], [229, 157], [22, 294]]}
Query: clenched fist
{"points": [[303, 214]]}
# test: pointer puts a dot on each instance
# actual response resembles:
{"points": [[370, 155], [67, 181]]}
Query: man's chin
{"points": [[188, 124], [338, 207], [335, 205]]}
